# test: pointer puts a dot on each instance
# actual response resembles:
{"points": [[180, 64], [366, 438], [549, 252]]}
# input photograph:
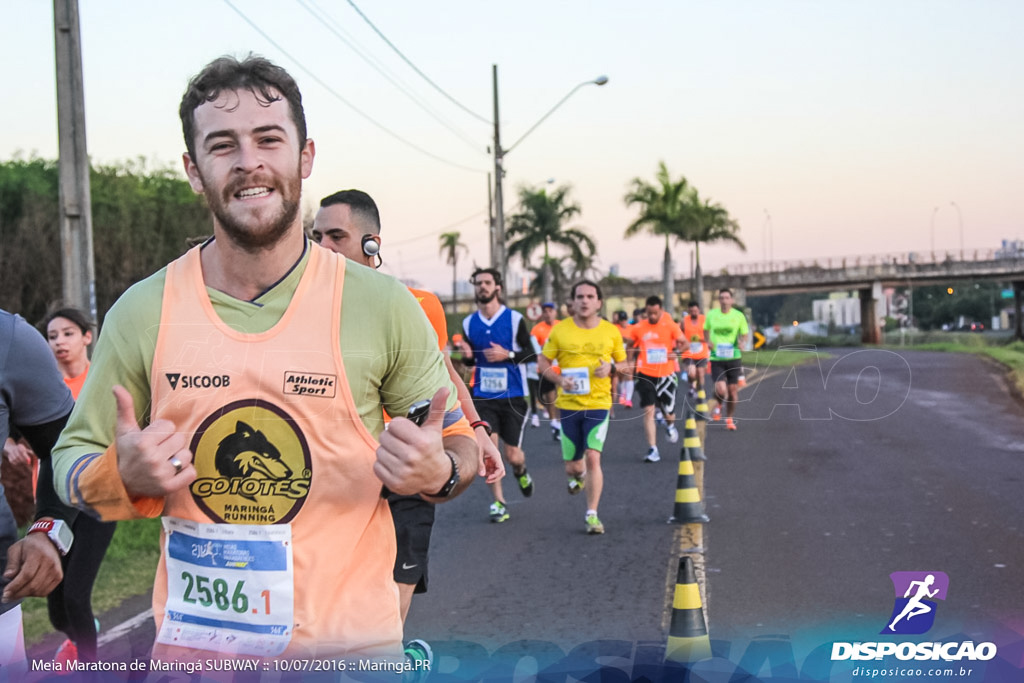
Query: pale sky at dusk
{"points": [[849, 122]]}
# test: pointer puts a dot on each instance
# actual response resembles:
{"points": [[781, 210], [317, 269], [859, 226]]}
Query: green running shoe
{"points": [[421, 660], [499, 513], [525, 484], [594, 525], [575, 485]]}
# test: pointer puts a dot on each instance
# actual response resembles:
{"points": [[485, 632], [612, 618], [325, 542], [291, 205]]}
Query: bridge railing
{"points": [[912, 258]]}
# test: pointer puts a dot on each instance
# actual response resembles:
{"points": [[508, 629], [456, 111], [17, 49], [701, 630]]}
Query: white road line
{"points": [[107, 637]]}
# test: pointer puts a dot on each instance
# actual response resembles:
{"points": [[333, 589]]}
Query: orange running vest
{"points": [[277, 439]]}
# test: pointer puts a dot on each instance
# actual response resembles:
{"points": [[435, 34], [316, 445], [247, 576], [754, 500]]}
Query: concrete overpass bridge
{"points": [[868, 275]]}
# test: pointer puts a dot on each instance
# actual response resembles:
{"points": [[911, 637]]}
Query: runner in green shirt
{"points": [[725, 331]]}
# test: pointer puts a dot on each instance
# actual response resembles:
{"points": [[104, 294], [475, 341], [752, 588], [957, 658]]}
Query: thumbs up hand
{"points": [[154, 461], [411, 459]]}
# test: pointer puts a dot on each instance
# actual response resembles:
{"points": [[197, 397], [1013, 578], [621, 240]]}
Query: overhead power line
{"points": [[344, 101], [475, 145], [416, 68], [438, 231]]}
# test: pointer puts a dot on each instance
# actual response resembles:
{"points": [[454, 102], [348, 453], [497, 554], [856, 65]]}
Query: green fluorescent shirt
{"points": [[725, 329], [388, 348]]}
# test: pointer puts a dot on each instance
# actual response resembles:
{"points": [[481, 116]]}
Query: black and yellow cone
{"points": [[691, 440], [688, 639], [703, 410], [688, 508]]}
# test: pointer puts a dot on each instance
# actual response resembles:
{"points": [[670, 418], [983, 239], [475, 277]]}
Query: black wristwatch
{"points": [[452, 482]]}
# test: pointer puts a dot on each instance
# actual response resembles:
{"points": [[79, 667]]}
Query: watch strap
{"points": [[57, 531], [453, 480]]}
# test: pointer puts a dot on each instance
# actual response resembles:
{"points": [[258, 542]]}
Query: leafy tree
{"points": [[935, 306], [450, 249], [539, 225], [143, 218]]}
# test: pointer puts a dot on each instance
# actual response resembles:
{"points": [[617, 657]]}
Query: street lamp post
{"points": [[935, 211], [960, 217], [498, 258]]}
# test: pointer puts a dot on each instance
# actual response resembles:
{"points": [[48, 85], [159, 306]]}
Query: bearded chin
{"points": [[256, 238], [486, 298]]}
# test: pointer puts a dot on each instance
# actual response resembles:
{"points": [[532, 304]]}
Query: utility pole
{"points": [[492, 226], [498, 245], [79, 281]]}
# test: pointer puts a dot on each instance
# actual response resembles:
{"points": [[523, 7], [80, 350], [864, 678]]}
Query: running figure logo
{"points": [[914, 611]]}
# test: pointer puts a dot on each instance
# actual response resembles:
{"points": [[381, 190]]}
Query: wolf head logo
{"points": [[247, 453]]}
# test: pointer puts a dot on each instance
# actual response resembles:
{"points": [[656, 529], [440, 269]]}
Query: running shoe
{"points": [[673, 433], [66, 653], [652, 455], [659, 417], [499, 513], [730, 425], [421, 660], [535, 420], [717, 415], [628, 403], [594, 525], [575, 485], [525, 483], [556, 434]]}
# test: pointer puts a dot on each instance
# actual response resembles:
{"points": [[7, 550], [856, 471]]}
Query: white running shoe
{"points": [[673, 433], [652, 455]]}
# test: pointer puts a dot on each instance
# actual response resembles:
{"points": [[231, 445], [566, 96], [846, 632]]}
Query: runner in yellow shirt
{"points": [[584, 346]]}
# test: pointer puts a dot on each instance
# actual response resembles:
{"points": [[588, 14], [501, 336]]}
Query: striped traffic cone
{"points": [[688, 508], [703, 411], [688, 639], [691, 440]]}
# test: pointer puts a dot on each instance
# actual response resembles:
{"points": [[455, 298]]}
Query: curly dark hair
{"points": [[264, 79]]}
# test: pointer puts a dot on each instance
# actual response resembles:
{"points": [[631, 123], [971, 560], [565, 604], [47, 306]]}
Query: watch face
{"points": [[62, 535]]}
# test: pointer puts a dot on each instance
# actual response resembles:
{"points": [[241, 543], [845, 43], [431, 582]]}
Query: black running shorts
{"points": [[507, 417], [660, 390], [727, 371], [414, 519]]}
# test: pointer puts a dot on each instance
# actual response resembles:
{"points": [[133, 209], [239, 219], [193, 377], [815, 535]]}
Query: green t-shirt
{"points": [[725, 331], [388, 348]]}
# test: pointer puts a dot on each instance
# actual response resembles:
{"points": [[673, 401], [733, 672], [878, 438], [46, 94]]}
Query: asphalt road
{"points": [[851, 468], [842, 471]]}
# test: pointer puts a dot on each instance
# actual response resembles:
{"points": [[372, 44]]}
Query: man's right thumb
{"points": [[126, 421]]}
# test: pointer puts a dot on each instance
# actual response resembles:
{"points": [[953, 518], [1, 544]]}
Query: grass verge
{"points": [[127, 570], [782, 358]]}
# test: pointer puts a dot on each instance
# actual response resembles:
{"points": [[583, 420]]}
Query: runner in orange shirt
{"points": [[695, 352], [657, 341]]}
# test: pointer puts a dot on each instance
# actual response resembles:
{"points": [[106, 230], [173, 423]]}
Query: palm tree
{"points": [[450, 248], [560, 273], [674, 209], [539, 225], [664, 210], [711, 223]]}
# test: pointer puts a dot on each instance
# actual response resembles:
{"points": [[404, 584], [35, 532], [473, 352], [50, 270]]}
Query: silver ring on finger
{"points": [[178, 466]]}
